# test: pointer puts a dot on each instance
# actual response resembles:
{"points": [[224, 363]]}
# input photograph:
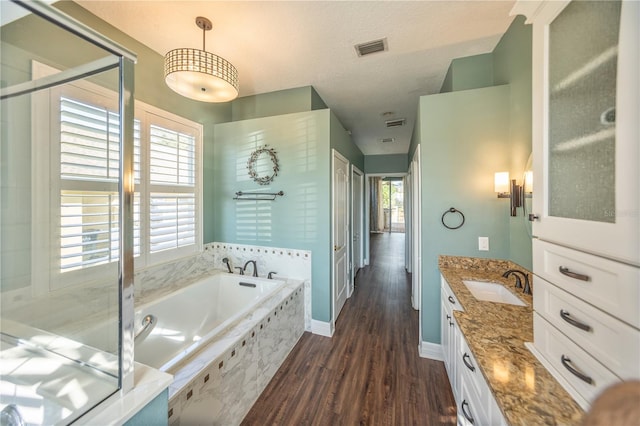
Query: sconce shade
{"points": [[528, 181], [501, 182]]}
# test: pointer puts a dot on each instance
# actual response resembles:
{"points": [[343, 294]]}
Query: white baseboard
{"points": [[322, 328], [431, 351]]}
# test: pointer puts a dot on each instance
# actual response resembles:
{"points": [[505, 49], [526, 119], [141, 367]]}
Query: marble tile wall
{"points": [[222, 391], [286, 263], [53, 311]]}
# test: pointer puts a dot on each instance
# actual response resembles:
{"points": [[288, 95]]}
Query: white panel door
{"points": [[340, 191], [357, 185], [416, 232]]}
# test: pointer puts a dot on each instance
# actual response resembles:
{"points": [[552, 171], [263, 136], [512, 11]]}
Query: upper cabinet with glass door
{"points": [[586, 129]]}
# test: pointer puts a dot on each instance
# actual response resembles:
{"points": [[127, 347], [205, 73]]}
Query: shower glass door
{"points": [[62, 216]]}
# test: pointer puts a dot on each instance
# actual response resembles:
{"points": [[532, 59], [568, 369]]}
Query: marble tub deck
{"points": [[184, 372], [525, 391]]}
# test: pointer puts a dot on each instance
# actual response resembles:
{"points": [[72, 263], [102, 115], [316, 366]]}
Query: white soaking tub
{"points": [[187, 319]]}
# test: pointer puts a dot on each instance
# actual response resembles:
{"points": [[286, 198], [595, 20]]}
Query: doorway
{"points": [[387, 204]]}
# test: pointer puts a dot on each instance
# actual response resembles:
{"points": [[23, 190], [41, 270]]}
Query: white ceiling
{"points": [[279, 45]]}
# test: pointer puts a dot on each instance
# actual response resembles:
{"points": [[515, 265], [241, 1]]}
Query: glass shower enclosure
{"points": [[66, 241]]}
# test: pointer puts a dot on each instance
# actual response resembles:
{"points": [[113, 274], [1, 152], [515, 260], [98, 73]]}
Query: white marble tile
{"points": [[245, 359]]}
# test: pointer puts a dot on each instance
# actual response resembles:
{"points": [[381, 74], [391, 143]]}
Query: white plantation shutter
{"points": [[89, 142], [172, 167], [76, 155], [89, 168], [172, 157], [172, 221]]}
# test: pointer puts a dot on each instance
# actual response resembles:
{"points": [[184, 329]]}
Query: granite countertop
{"points": [[525, 391]]}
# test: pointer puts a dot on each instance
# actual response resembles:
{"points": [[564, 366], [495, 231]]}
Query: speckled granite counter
{"points": [[525, 391]]}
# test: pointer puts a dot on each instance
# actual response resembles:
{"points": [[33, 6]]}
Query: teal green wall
{"points": [[464, 140], [276, 103], [467, 81], [471, 72], [447, 84], [300, 219], [341, 142], [316, 100], [154, 413], [512, 65], [248, 107], [390, 163]]}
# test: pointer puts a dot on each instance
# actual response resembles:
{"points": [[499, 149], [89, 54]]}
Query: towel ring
{"points": [[453, 210]]}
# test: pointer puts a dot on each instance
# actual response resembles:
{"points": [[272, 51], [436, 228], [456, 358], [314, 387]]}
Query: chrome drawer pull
{"points": [[574, 275], [464, 412], [451, 299], [567, 364], [468, 364], [567, 317], [449, 319]]}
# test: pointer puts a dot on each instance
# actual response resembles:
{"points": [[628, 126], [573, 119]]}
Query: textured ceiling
{"points": [[281, 45]]}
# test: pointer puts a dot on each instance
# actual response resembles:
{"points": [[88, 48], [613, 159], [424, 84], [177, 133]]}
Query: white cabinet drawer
{"points": [[612, 342], [471, 411], [570, 361], [447, 294], [611, 286], [471, 374]]}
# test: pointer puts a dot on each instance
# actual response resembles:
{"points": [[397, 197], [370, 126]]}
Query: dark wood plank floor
{"points": [[369, 372]]}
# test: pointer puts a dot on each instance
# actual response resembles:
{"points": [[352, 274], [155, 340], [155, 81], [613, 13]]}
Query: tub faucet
{"points": [[255, 267], [226, 262], [527, 285], [240, 270]]}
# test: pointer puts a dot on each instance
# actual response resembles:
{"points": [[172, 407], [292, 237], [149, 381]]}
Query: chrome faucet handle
{"points": [[239, 268], [226, 262]]}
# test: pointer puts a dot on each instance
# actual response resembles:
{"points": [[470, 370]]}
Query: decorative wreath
{"points": [[253, 159]]}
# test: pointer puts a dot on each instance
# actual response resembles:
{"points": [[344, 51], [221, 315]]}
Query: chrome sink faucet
{"points": [[255, 267], [514, 272]]}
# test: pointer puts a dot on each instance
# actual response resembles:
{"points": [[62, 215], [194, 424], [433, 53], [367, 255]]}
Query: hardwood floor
{"points": [[369, 373]]}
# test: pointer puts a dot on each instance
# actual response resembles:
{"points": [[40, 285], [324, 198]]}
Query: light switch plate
{"points": [[483, 243]]}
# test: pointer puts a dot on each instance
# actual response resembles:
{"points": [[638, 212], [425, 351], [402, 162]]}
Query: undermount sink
{"points": [[492, 292]]}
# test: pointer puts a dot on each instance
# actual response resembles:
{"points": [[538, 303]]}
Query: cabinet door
{"points": [[585, 126], [445, 325]]}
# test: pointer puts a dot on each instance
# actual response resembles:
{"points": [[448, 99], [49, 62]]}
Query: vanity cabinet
{"points": [[475, 402], [449, 334], [586, 197], [585, 125]]}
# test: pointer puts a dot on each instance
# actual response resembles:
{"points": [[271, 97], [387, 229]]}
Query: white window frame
{"points": [[46, 184]]}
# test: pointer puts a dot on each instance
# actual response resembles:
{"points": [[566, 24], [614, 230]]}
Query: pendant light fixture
{"points": [[201, 75]]}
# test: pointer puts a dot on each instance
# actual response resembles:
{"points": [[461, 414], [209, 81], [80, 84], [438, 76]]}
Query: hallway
{"points": [[370, 371]]}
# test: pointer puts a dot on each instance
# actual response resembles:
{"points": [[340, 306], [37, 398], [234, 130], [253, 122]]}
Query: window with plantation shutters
{"points": [[80, 185], [89, 167], [171, 189]]}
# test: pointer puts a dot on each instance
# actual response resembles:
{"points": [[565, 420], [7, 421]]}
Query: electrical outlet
{"points": [[483, 243]]}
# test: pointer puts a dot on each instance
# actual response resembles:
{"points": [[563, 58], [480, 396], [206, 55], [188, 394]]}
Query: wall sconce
{"points": [[508, 189]]}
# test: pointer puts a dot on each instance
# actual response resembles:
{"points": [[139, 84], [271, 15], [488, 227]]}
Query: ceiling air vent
{"points": [[387, 140], [371, 47], [395, 123]]}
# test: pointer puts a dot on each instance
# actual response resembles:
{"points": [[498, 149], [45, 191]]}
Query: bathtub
{"points": [[189, 318]]}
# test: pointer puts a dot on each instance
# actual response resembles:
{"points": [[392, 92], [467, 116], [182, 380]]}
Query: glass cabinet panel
{"points": [[583, 53]]}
